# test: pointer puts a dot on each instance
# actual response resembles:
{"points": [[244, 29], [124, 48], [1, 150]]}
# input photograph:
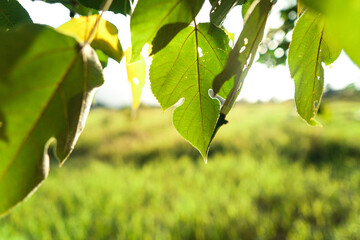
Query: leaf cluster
{"points": [[47, 82]]}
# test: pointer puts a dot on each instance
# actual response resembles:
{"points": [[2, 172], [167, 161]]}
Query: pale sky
{"points": [[261, 83]]}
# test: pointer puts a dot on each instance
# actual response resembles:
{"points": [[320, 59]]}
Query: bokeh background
{"points": [[269, 176]]}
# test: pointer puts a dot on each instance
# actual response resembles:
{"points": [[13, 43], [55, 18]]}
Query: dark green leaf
{"points": [[183, 70], [152, 15], [12, 14], [165, 34], [89, 7], [310, 46], [117, 6], [242, 55], [343, 21], [76, 7], [220, 9], [46, 88]]}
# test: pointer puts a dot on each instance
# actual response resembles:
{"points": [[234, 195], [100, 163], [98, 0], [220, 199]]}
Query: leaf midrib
{"points": [[198, 78]]}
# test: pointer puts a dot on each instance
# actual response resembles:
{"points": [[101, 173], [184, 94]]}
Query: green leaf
{"points": [[242, 55], [103, 58], [246, 6], [343, 21], [105, 39], [220, 9], [12, 14], [117, 6], [163, 16], [310, 46], [74, 6], [46, 89], [78, 8], [183, 70]]}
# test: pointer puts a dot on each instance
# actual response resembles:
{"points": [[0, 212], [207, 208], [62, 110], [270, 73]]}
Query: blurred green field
{"points": [[269, 176]]}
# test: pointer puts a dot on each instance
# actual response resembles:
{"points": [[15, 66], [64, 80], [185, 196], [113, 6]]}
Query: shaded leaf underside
{"points": [[46, 88]]}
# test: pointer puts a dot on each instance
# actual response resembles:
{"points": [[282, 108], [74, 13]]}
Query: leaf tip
{"points": [[314, 123]]}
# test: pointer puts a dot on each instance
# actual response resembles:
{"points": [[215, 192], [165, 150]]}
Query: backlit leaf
{"points": [[12, 14], [105, 39], [184, 70], [150, 16], [242, 55], [245, 7], [136, 73], [343, 21], [46, 89], [311, 46]]}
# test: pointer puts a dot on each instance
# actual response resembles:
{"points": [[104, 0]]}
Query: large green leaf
{"points": [[12, 14], [183, 70], [163, 16], [220, 9], [343, 20], [46, 89], [310, 46], [105, 37], [242, 55]]}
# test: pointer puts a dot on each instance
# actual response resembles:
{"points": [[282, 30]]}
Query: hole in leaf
{"points": [[136, 81], [242, 49], [200, 52], [211, 94]]}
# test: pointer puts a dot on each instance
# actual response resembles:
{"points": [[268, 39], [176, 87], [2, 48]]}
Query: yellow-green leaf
{"points": [[136, 73], [311, 46], [343, 18], [105, 38]]}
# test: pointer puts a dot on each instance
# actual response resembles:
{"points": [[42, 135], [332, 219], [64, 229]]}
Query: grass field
{"points": [[269, 176]]}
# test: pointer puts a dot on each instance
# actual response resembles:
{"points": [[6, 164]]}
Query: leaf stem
{"points": [[106, 7]]}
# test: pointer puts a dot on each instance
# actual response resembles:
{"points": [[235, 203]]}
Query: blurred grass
{"points": [[269, 176]]}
